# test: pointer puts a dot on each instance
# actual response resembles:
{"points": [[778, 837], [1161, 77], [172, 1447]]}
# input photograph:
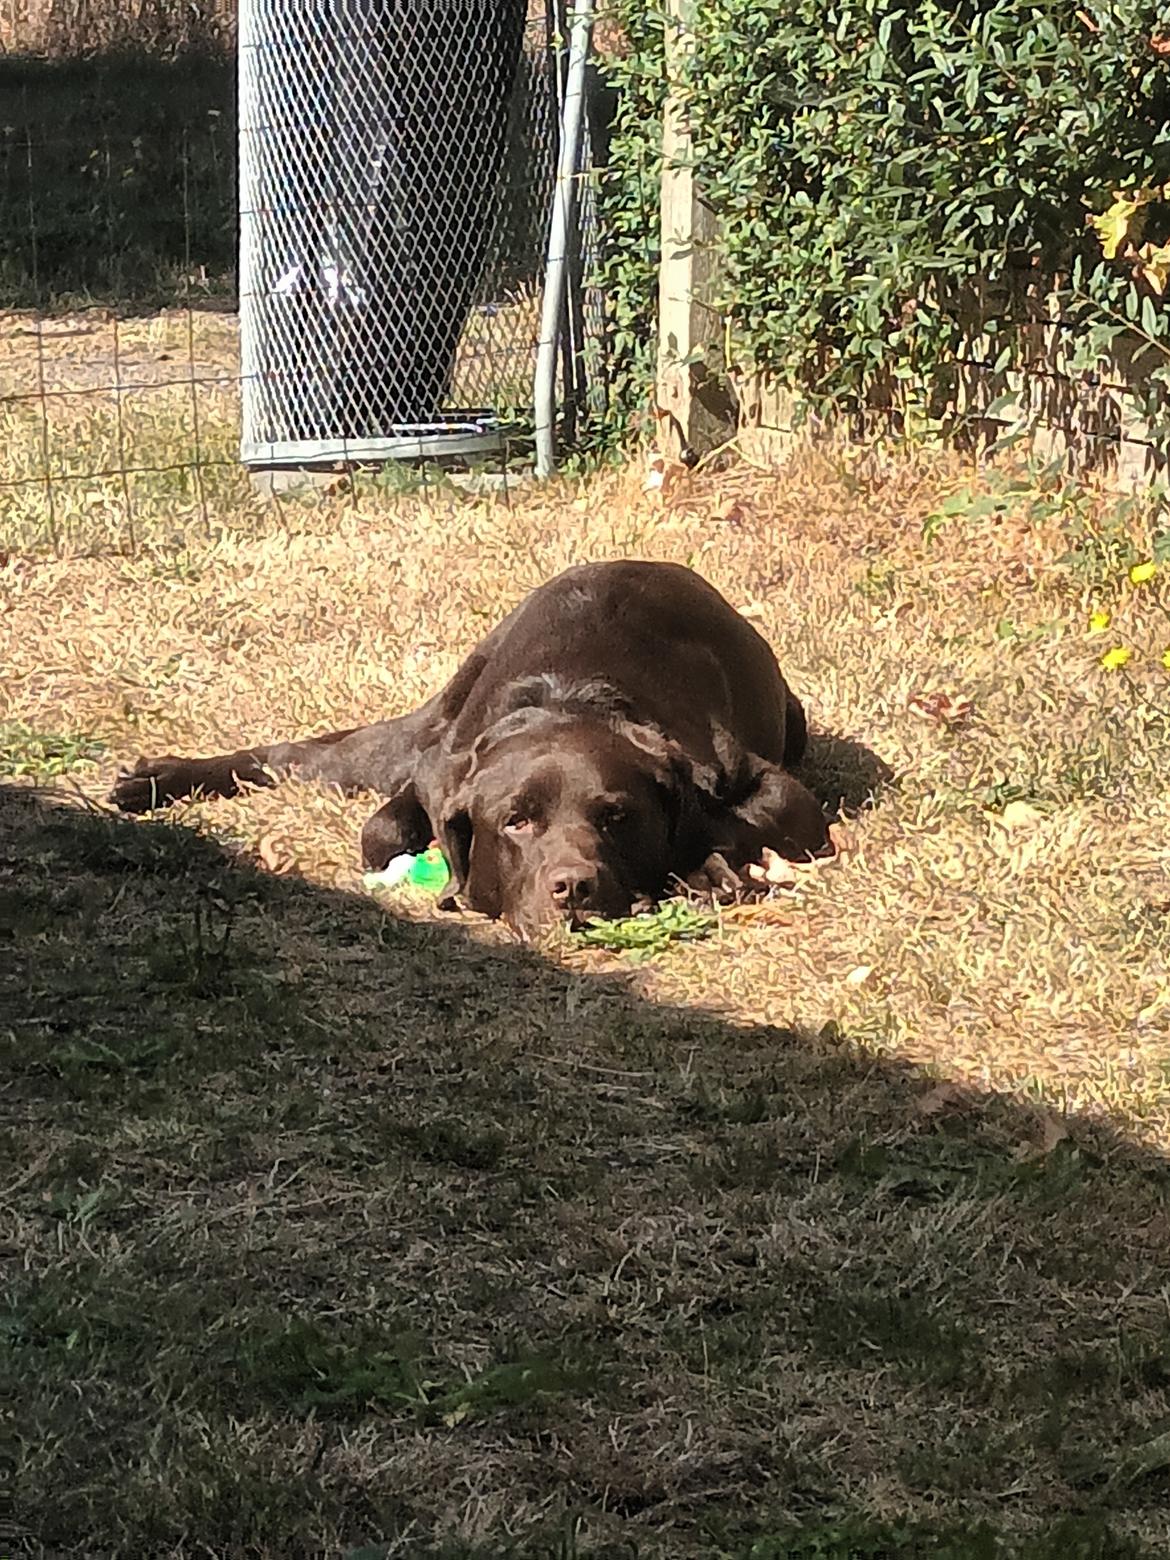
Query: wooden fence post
{"points": [[696, 409]]}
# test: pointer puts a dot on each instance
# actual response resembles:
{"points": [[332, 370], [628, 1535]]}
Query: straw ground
{"points": [[334, 1226]]}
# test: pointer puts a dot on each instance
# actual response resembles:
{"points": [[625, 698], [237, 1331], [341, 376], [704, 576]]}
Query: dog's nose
{"points": [[571, 886]]}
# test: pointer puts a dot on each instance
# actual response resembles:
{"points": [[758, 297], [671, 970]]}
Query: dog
{"points": [[622, 731]]}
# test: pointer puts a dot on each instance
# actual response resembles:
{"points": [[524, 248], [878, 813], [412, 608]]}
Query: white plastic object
{"points": [[393, 873]]}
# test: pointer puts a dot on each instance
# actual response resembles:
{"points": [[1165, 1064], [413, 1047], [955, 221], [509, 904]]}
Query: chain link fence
{"points": [[119, 374], [397, 165], [394, 256]]}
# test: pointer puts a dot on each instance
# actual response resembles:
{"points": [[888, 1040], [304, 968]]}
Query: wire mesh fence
{"points": [[118, 372], [397, 169], [122, 399]]}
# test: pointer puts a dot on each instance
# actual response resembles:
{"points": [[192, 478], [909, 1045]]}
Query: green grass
{"points": [[851, 1538], [859, 1539], [325, 1216], [645, 936], [44, 755]]}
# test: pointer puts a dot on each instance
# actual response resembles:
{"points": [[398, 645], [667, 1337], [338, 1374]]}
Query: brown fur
{"points": [[623, 728]]}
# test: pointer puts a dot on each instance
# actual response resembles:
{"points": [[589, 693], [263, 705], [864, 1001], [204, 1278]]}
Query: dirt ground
{"points": [[335, 1227]]}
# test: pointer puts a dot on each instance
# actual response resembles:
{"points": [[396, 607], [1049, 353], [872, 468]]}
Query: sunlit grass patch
{"points": [[353, 1227]]}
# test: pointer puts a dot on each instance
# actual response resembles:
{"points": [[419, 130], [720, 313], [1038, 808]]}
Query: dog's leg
{"points": [[781, 814], [795, 731], [716, 881], [366, 758], [399, 827]]}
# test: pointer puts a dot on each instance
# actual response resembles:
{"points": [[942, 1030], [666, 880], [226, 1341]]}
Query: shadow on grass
{"points": [[845, 776], [329, 1233], [117, 181]]}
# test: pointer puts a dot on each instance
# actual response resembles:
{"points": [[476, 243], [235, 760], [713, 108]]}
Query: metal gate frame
{"points": [[564, 250]]}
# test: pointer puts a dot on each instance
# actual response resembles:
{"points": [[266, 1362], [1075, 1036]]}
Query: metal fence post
{"points": [[561, 236]]}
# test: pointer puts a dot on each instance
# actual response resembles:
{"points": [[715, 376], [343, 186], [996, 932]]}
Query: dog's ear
{"points": [[475, 871], [689, 804], [399, 825], [781, 815], [455, 835], [685, 789], [451, 820], [473, 858], [798, 819]]}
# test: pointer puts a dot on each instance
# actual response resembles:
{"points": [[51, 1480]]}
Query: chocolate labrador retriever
{"points": [[623, 728]]}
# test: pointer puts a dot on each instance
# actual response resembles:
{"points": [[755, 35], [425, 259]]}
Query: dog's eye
{"points": [[518, 823], [613, 817]]}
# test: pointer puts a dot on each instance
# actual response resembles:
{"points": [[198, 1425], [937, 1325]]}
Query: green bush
{"points": [[880, 166], [626, 272], [871, 160]]}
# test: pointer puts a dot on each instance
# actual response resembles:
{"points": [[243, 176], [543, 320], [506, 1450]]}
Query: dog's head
{"points": [[560, 817], [566, 807]]}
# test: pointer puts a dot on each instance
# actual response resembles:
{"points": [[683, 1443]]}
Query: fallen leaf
{"points": [[752, 610], [734, 514], [663, 476], [774, 870], [1160, 43], [275, 854], [891, 617], [941, 705], [656, 472], [758, 912], [859, 976], [1053, 1130], [676, 476], [1020, 815]]}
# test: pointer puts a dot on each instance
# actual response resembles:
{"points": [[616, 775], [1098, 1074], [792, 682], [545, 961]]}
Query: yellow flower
{"points": [[1116, 657], [1141, 572], [1100, 621], [1166, 659]]}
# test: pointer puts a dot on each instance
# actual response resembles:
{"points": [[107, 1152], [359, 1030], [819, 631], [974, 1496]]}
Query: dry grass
{"points": [[67, 29], [854, 1214], [115, 428], [120, 430]]}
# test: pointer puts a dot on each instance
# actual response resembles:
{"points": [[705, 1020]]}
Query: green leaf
{"points": [[1153, 323], [914, 147]]}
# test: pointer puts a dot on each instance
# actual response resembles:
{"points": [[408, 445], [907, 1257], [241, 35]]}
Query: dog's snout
{"points": [[571, 886]]}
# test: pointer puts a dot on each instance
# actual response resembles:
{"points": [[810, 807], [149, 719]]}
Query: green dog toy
{"points": [[428, 871]]}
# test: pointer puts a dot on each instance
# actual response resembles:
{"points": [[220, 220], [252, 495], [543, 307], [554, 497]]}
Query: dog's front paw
{"points": [[717, 881], [153, 782]]}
